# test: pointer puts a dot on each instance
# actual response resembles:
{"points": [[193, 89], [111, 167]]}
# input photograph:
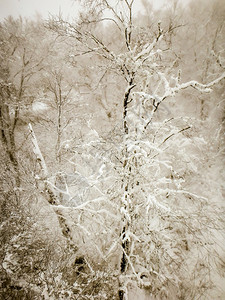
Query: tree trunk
{"points": [[8, 140], [126, 200], [44, 171]]}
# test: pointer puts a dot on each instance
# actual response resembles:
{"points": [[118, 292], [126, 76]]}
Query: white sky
{"points": [[29, 8]]}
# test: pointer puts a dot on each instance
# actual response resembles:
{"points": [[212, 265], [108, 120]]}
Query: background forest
{"points": [[112, 153]]}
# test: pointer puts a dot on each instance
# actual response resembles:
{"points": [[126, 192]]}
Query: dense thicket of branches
{"points": [[112, 153]]}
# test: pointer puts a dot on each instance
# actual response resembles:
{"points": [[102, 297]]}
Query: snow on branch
{"points": [[199, 86], [171, 91], [58, 189], [37, 151], [40, 159], [184, 192], [147, 49], [205, 88]]}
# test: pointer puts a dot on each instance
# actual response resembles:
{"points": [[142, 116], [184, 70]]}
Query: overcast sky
{"points": [[29, 8]]}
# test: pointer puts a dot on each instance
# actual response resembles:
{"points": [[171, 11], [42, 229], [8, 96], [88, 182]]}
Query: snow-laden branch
{"points": [[65, 192], [174, 133], [44, 170], [147, 49], [195, 84], [171, 91], [37, 151], [85, 204], [152, 202], [186, 193]]}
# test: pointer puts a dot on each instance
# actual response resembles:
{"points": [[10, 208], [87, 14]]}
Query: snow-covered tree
{"points": [[121, 180], [161, 222]]}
